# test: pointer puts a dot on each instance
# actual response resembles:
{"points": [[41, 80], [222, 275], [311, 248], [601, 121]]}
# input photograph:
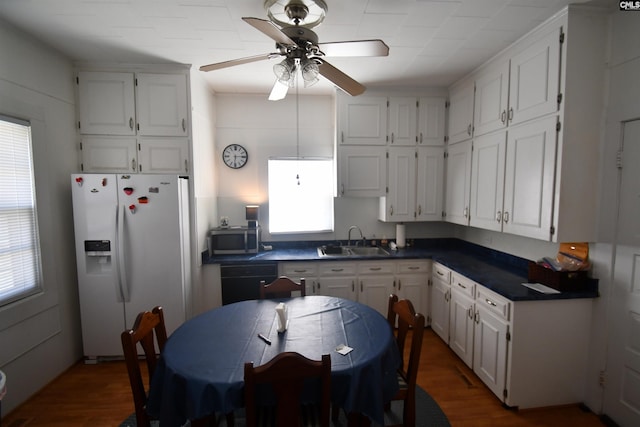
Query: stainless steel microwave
{"points": [[234, 240]]}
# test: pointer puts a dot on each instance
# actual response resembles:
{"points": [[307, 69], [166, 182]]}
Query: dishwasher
{"points": [[241, 282]]}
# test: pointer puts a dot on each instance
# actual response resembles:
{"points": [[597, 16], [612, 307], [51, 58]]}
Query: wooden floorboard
{"points": [[99, 396]]}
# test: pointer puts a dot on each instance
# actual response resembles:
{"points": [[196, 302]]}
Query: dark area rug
{"points": [[428, 413]]}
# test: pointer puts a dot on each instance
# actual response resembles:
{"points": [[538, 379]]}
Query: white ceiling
{"points": [[432, 43]]}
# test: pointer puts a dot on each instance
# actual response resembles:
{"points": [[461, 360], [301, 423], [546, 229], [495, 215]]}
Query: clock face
{"points": [[235, 156]]}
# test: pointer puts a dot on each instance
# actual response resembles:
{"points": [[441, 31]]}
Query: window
{"points": [[300, 195], [19, 245]]}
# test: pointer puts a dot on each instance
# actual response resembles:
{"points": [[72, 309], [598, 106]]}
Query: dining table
{"points": [[201, 368]]}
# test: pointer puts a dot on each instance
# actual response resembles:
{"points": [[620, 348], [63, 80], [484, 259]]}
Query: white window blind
{"points": [[19, 245], [300, 195]]}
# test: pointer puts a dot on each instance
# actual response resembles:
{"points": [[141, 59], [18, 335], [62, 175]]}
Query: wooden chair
{"points": [[403, 314], [147, 324], [287, 374], [281, 288]]}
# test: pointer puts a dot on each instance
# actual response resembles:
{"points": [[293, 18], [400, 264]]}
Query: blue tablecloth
{"points": [[201, 369]]}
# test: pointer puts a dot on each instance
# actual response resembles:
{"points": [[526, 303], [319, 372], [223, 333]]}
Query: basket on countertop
{"points": [[559, 280]]}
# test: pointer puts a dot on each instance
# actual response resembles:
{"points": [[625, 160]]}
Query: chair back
{"points": [[288, 373], [404, 315], [147, 324], [282, 287]]}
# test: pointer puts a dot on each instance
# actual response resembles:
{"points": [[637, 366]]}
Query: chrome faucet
{"points": [[353, 227]]}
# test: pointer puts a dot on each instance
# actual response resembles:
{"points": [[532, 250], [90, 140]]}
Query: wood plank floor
{"points": [[99, 396]]}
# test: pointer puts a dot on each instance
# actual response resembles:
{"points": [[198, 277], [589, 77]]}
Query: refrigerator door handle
{"points": [[120, 259]]}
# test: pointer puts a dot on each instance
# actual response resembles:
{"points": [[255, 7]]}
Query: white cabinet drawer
{"points": [[463, 284], [493, 302], [337, 269], [375, 267], [299, 269], [414, 267], [441, 272]]}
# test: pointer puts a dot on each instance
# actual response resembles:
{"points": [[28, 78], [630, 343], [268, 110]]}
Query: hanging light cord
{"points": [[297, 129]]}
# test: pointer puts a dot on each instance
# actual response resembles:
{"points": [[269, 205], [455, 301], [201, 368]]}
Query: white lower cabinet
{"points": [[368, 282], [461, 315], [298, 270], [528, 353], [440, 295]]}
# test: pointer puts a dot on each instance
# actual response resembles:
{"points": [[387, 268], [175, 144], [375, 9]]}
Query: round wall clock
{"points": [[235, 156]]}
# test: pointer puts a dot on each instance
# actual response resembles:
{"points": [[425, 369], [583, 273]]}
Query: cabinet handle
{"points": [[342, 137], [399, 284], [361, 286], [499, 216], [392, 137], [491, 303], [462, 286], [470, 312], [342, 189], [420, 137], [300, 271], [375, 268], [469, 129], [503, 117], [447, 295], [440, 273], [419, 209], [476, 317], [465, 213], [318, 286], [511, 114], [186, 166], [337, 269], [133, 165], [131, 123], [391, 210], [184, 125], [414, 267], [505, 217]]}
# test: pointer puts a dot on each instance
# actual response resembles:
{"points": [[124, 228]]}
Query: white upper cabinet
{"points": [[430, 184], [534, 79], [431, 120], [458, 183], [163, 155], [107, 103], [487, 181], [362, 120], [400, 201], [461, 98], [162, 104], [109, 154], [492, 99], [362, 171], [403, 115]]}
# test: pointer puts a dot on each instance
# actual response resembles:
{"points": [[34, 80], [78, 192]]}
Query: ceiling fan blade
{"points": [[340, 79], [355, 48], [239, 61], [271, 30], [279, 91]]}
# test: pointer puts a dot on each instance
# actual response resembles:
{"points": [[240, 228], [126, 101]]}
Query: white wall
{"points": [[40, 337]]}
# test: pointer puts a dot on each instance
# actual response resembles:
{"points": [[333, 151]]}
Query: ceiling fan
{"points": [[299, 46]]}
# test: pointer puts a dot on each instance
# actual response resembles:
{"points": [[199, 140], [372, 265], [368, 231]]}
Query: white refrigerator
{"points": [[132, 251]]}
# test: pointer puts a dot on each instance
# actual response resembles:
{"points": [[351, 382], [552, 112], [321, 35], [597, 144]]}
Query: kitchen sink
{"points": [[349, 251]]}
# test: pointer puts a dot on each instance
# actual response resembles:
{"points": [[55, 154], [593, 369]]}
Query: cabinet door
{"points": [[164, 155], [414, 287], [487, 181], [363, 171], [529, 175], [109, 154], [458, 183], [374, 291], [106, 103], [492, 97], [362, 120], [440, 295], [431, 120], [535, 79], [341, 287], [461, 325], [162, 104], [402, 121], [298, 270], [430, 184], [461, 112], [490, 350], [400, 200]]}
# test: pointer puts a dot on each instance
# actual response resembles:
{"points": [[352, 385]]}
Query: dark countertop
{"points": [[501, 272]]}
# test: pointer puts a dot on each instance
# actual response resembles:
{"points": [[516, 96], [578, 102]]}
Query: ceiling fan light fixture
{"points": [[307, 13], [285, 71], [310, 71]]}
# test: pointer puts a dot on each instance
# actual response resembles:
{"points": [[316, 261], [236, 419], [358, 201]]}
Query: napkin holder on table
{"points": [[283, 320]]}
